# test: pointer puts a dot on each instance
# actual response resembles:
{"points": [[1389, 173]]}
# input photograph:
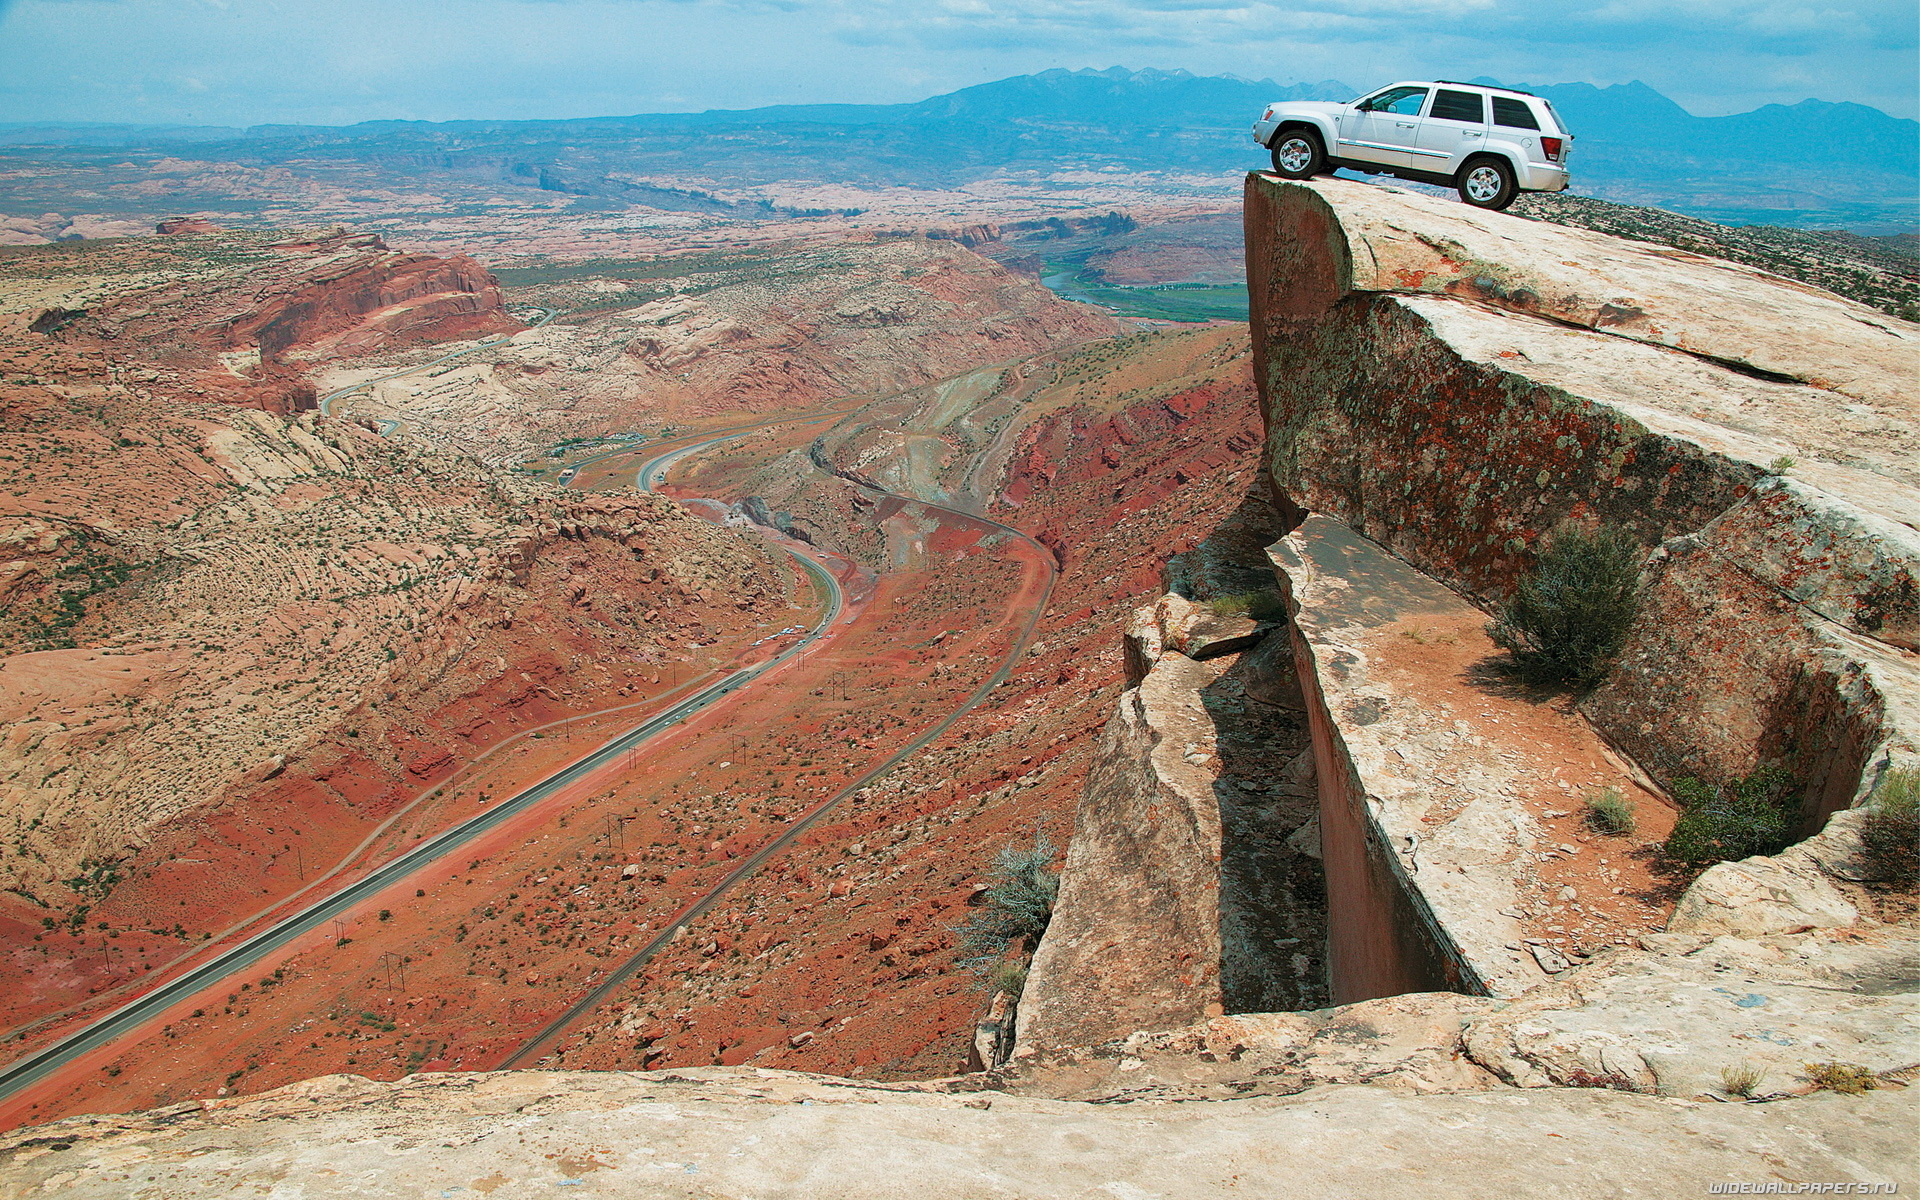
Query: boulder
{"points": [[1674, 1024], [1761, 896]]}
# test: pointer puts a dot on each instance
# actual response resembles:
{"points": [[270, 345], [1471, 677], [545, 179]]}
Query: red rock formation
{"points": [[375, 303], [197, 329], [174, 226]]}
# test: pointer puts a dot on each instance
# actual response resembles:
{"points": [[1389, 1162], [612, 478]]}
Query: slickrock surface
{"points": [[1385, 240], [703, 1133]]}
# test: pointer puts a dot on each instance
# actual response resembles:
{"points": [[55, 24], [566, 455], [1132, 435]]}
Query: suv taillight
{"points": [[1553, 146]]}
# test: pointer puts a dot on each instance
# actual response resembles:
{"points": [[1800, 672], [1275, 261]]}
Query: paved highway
{"points": [[37, 1066], [652, 471]]}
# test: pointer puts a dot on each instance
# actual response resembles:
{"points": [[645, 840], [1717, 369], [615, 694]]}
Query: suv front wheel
{"points": [[1488, 183], [1297, 154]]}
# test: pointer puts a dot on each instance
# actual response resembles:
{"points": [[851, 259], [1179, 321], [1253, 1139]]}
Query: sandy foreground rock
{"points": [[765, 1134]]}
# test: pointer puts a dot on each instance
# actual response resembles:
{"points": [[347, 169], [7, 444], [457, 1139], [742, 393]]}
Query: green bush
{"points": [[1734, 821], [1890, 831], [1261, 606], [1608, 812], [1570, 616], [1016, 906], [1008, 977]]}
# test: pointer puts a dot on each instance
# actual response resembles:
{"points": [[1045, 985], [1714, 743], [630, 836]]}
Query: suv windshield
{"points": [[1401, 101]]}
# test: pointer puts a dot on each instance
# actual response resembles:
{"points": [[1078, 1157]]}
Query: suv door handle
{"points": [[1404, 124]]}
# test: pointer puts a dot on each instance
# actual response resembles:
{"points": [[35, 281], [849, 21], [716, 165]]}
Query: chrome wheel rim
{"points": [[1295, 154], [1483, 184]]}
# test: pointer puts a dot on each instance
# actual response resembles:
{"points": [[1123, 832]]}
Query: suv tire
{"points": [[1487, 182], [1298, 154]]}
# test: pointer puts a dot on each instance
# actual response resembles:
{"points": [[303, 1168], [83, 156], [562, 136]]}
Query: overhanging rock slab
{"points": [[1449, 803]]}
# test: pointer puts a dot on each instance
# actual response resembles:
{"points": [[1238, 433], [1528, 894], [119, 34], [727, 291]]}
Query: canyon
{"points": [[1206, 605]]}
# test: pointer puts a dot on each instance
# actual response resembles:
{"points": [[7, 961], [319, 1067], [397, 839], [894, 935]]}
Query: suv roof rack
{"points": [[1492, 87]]}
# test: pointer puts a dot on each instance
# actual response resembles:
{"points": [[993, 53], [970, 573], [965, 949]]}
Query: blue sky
{"points": [[339, 61]]}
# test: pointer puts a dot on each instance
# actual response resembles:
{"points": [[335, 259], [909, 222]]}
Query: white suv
{"points": [[1491, 143]]}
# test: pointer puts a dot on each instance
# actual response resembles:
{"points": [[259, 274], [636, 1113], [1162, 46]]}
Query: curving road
{"points": [[535, 1047], [35, 1067]]}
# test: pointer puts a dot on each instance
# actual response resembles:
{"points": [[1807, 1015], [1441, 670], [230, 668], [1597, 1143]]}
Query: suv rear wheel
{"points": [[1298, 154], [1487, 183]]}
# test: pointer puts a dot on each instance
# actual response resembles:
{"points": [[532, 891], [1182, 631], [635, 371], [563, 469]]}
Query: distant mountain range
{"points": [[1812, 164]]}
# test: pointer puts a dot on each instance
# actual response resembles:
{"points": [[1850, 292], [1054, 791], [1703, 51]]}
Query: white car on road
{"points": [[1491, 143]]}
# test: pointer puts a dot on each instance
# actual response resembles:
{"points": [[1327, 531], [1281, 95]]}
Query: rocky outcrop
{"points": [[1135, 941], [235, 316], [1454, 385], [1182, 895], [1444, 389], [369, 300], [1681, 1022], [177, 226]]}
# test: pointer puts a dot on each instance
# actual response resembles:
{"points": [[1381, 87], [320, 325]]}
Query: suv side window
{"points": [[1513, 113], [1449, 105], [1401, 101]]}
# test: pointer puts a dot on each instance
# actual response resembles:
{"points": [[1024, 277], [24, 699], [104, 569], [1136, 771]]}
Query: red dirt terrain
{"points": [[837, 955], [839, 958], [237, 643]]}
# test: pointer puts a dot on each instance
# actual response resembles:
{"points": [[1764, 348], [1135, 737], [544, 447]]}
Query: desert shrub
{"points": [[1261, 606], [1570, 615], [1009, 977], [1742, 1081], [1016, 906], [1849, 1079], [1608, 812], [1890, 829], [1734, 821]]}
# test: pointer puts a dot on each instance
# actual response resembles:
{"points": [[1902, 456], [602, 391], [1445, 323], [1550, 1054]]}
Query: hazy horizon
{"points": [[249, 62]]}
